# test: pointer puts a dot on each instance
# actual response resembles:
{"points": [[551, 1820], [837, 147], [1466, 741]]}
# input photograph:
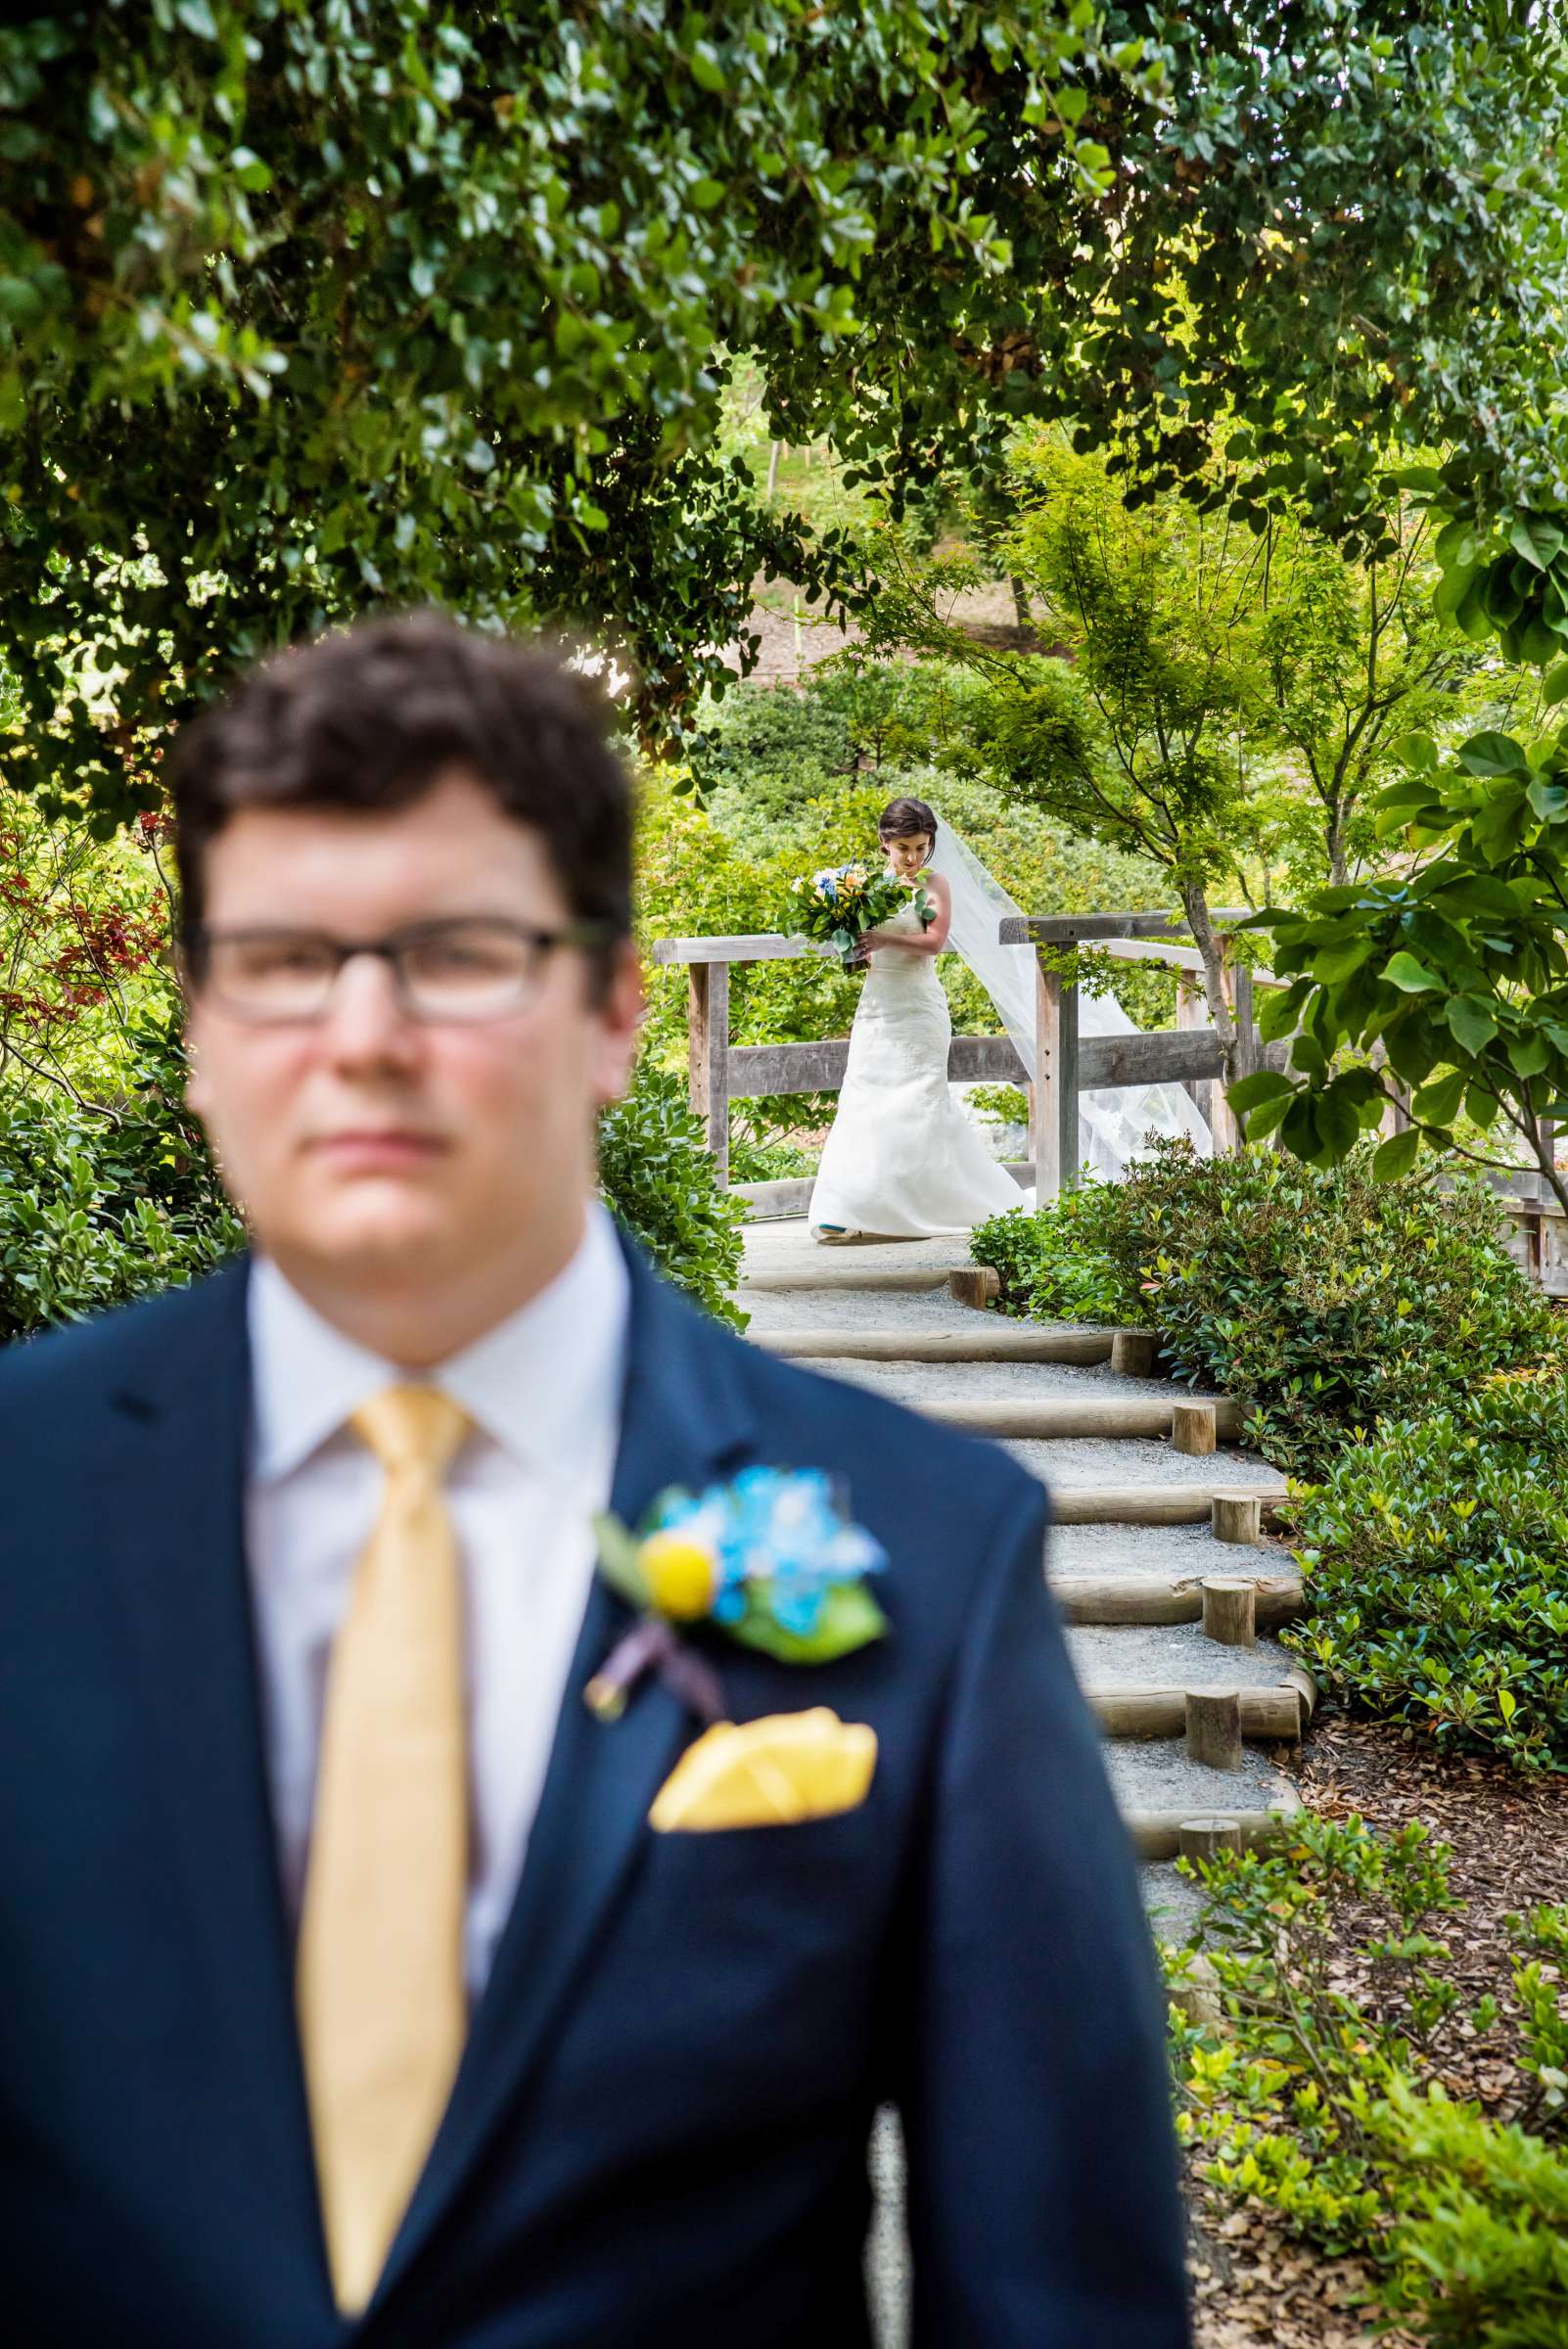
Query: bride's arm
{"points": [[936, 935]]}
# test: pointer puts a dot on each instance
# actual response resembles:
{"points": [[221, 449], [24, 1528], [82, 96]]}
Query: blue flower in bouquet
{"points": [[772, 1558]]}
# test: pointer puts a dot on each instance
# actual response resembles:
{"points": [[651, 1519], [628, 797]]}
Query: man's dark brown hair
{"points": [[369, 718]]}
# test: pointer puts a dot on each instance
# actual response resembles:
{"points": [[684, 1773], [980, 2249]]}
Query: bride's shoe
{"points": [[834, 1235]]}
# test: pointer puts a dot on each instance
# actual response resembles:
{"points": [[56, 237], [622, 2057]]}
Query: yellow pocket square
{"points": [[770, 1773]]}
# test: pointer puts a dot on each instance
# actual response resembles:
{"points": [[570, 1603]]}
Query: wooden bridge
{"points": [[1189, 1054], [722, 1072]]}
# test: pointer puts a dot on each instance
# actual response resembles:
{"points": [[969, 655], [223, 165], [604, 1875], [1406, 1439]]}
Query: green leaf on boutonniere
{"points": [[849, 1618], [617, 1561]]}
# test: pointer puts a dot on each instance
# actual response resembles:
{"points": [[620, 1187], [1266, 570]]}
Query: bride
{"points": [[902, 1161]]}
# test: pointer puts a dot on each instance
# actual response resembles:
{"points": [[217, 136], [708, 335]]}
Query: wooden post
{"points": [[1055, 1096], [1134, 1597], [1236, 1517], [1192, 1428], [1192, 1012], [975, 1284], [1396, 1116], [1230, 1610], [1132, 1353], [1214, 1728], [707, 1056], [1535, 1230], [1201, 1838], [1222, 1122], [1246, 1033]]}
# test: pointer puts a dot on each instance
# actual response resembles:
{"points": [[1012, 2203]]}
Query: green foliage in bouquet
{"points": [[1315, 2012], [1436, 1560], [841, 904], [659, 1178]]}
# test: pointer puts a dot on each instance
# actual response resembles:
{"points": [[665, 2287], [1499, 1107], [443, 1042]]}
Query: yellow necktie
{"points": [[380, 1979]]}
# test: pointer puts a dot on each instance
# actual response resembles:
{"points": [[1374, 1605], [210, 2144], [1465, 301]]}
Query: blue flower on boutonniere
{"points": [[771, 1559]]}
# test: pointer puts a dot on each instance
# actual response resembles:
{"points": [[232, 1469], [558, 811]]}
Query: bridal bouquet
{"points": [[841, 903]]}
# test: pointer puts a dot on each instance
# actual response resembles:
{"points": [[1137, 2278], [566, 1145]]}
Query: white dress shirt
{"points": [[543, 1391]]}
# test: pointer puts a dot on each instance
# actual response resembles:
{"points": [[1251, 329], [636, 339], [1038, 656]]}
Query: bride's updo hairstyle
{"points": [[905, 819]]}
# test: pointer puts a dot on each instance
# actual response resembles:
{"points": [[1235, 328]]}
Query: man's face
{"points": [[367, 1143]]}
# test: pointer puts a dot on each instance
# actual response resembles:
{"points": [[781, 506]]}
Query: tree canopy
{"points": [[308, 308]]}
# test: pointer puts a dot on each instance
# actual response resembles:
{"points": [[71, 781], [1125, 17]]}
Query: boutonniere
{"points": [[770, 1559]]}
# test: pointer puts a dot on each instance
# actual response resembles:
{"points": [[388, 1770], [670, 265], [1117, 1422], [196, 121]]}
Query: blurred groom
{"points": [[347, 1989]]}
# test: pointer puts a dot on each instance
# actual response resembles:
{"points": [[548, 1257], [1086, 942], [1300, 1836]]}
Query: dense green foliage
{"points": [[426, 306], [100, 1206], [1325, 1302], [1380, 1338], [1436, 1561], [1054, 1264], [1312, 2081], [1451, 968], [378, 301], [659, 1180]]}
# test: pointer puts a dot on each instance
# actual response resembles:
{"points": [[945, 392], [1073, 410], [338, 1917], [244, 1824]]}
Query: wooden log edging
{"points": [[1237, 1518], [1230, 1609], [1195, 1425], [1266, 1714], [1145, 1598], [991, 1341], [1157, 1834], [978, 1285], [1214, 1728], [894, 1280], [1152, 1503], [1113, 1415], [1133, 1353]]}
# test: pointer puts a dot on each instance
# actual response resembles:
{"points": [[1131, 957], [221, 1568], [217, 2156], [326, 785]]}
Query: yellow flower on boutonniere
{"points": [[771, 1559]]}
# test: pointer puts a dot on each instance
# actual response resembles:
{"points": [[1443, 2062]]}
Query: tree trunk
{"points": [[1020, 602], [1338, 862], [1195, 904]]}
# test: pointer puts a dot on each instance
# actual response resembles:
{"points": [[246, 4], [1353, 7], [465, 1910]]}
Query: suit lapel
{"points": [[179, 1419], [684, 1421]]}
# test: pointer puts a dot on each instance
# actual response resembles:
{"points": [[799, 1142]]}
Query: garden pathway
{"points": [[883, 1316], [1131, 1592]]}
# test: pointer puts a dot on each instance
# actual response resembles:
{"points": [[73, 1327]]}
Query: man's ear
{"points": [[619, 1016]]}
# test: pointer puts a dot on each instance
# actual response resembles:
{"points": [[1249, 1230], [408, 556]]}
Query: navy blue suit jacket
{"points": [[656, 2138]]}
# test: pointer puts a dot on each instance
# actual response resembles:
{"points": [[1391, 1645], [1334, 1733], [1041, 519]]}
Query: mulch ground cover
{"points": [[1251, 2282]]}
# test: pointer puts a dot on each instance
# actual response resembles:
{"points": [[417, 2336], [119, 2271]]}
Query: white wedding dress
{"points": [[902, 1161]]}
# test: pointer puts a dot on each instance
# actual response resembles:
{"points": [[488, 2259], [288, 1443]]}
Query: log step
{"points": [[1088, 1415], [991, 1341], [1157, 1834], [1280, 1712], [1152, 1504], [894, 1280], [1146, 1598]]}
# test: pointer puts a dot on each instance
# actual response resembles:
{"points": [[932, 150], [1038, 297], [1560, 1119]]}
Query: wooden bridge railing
{"points": [[722, 1072]]}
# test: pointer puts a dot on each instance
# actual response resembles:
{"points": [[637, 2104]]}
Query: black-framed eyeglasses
{"points": [[470, 968]]}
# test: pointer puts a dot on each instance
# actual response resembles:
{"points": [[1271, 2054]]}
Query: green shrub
{"points": [[659, 1180], [1007, 1104], [1312, 2087], [95, 1210], [1053, 1266], [1436, 1560], [1323, 1302], [1480, 2255], [100, 1207]]}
